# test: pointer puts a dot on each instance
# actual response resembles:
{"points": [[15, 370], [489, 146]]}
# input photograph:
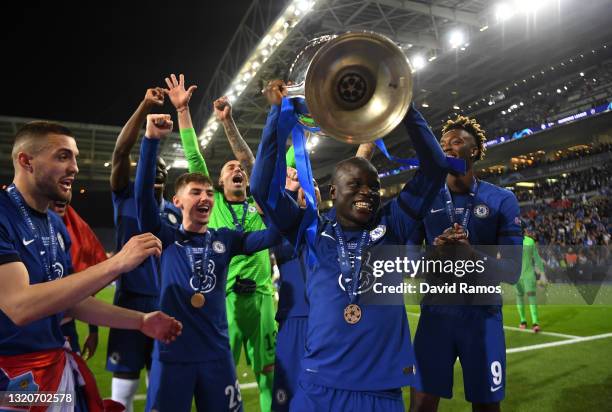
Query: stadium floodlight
{"points": [[418, 62], [456, 107], [274, 37], [503, 12], [425, 105], [581, 74], [456, 38]]}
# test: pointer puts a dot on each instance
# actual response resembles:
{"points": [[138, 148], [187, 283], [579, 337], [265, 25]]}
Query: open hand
{"points": [[137, 249], [160, 326], [177, 93]]}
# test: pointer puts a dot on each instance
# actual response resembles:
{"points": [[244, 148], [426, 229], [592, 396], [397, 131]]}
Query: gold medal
{"points": [[198, 300], [352, 314]]}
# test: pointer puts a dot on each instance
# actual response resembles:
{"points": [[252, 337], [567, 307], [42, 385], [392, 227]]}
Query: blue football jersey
{"points": [[374, 354], [494, 220], [292, 293], [205, 335], [18, 244], [144, 279]]}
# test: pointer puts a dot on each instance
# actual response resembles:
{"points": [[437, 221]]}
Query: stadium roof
{"points": [[497, 55]]}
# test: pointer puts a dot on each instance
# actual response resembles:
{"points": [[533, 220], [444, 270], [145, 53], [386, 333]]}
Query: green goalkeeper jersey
{"points": [[531, 257], [256, 266]]}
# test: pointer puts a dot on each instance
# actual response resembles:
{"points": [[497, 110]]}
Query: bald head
{"points": [[353, 163]]}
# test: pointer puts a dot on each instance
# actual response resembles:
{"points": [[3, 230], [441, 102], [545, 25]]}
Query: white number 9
{"points": [[496, 371]]}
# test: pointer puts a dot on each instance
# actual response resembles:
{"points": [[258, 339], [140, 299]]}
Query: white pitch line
{"points": [[515, 329], [560, 335], [559, 343]]}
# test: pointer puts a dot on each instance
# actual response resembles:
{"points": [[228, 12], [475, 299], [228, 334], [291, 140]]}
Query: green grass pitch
{"points": [[576, 376]]}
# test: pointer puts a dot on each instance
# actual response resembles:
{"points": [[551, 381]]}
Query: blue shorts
{"points": [[172, 386], [310, 397], [130, 350], [289, 353], [475, 335]]}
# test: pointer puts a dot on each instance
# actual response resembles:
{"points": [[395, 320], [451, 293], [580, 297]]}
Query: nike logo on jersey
{"points": [[27, 242], [436, 210], [496, 389], [329, 236]]}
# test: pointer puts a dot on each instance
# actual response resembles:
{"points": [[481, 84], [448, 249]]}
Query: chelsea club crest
{"points": [[172, 218], [218, 247], [378, 232], [481, 211]]}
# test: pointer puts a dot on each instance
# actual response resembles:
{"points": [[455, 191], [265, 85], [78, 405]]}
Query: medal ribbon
{"points": [[347, 271], [43, 251], [467, 211], [245, 207], [202, 270]]}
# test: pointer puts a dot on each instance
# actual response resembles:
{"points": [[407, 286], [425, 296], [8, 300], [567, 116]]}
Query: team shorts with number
{"points": [[475, 335], [290, 343], [130, 350], [251, 322], [310, 397], [172, 386]]}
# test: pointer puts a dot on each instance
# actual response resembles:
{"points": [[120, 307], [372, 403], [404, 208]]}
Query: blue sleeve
{"points": [[8, 253], [285, 214], [507, 268], [147, 208], [418, 194]]}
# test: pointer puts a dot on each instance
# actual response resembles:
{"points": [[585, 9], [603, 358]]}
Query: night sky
{"points": [[91, 62]]}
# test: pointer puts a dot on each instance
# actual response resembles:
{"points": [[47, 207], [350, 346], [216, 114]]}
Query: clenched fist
{"points": [[154, 97], [158, 126], [223, 109]]}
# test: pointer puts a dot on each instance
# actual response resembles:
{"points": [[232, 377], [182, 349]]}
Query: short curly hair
{"points": [[472, 127]]}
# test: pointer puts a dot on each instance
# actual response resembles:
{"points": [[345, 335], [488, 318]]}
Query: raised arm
{"points": [[158, 126], [418, 194], [266, 188], [223, 111], [366, 150], [180, 100], [120, 172]]}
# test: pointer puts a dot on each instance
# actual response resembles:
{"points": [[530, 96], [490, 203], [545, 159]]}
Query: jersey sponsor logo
{"points": [[496, 389], [172, 219], [60, 240], [252, 209], [281, 396], [218, 247], [58, 270], [435, 210], [378, 232], [27, 242], [481, 211], [207, 283]]}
